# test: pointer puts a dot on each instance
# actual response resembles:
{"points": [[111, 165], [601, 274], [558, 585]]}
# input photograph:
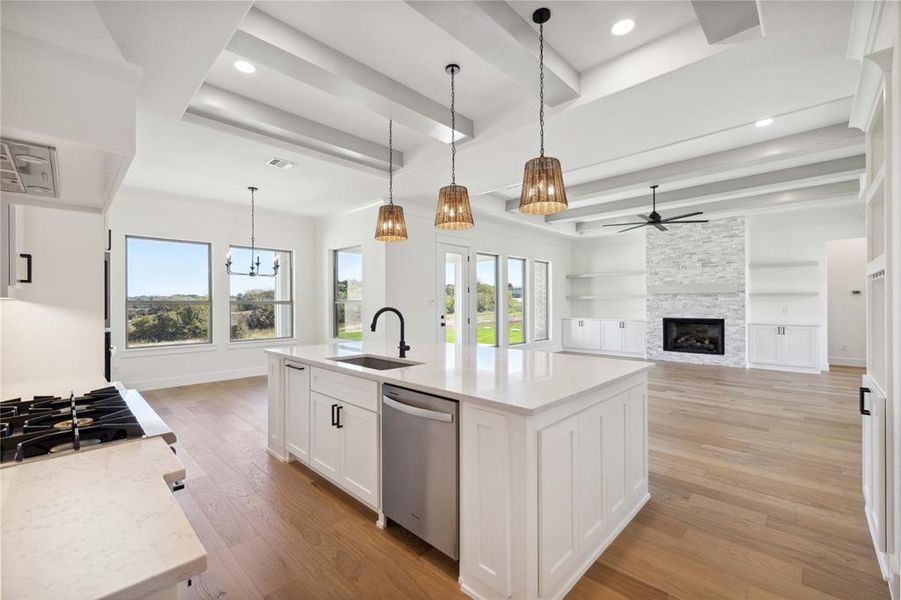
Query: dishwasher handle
{"points": [[415, 411]]}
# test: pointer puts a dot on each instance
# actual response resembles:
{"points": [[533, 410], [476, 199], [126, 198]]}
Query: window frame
{"points": [[290, 302], [334, 300], [525, 303], [547, 295], [497, 303], [208, 302]]}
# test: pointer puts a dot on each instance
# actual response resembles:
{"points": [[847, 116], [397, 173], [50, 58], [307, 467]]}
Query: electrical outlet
{"points": [[784, 310], [844, 346]]}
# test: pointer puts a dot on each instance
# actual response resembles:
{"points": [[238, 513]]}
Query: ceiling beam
{"points": [[757, 156], [497, 33], [723, 19], [228, 111], [266, 41], [847, 190], [842, 169]]}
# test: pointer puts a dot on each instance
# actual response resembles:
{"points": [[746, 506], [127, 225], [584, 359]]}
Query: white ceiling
{"points": [[658, 95], [580, 31]]}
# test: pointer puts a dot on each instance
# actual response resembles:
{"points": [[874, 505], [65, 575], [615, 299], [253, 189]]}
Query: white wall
{"points": [[54, 326], [797, 235], [846, 263], [621, 252], [144, 213]]}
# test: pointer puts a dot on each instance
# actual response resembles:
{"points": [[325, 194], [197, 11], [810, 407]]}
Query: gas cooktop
{"points": [[55, 424]]}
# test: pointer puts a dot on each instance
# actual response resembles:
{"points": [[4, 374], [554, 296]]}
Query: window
{"points": [[348, 294], [486, 299], [167, 291], [516, 301], [260, 308], [541, 304]]}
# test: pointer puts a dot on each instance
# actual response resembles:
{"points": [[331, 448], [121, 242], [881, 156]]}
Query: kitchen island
{"points": [[552, 447]]}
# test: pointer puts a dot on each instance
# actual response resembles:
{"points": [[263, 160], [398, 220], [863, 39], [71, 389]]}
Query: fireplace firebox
{"points": [[697, 336]]}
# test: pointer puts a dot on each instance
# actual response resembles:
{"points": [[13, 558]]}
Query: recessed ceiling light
{"points": [[763, 122], [622, 27], [244, 66]]}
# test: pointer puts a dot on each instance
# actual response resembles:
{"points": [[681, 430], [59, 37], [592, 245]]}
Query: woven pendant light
{"points": [[543, 192], [390, 226], [454, 211]]}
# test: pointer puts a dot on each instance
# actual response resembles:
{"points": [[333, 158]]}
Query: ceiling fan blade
{"points": [[622, 224], [667, 220], [646, 218], [659, 226], [631, 228], [689, 221]]}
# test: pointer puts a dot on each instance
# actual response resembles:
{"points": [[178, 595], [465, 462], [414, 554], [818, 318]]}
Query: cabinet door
{"points": [[558, 509], [634, 340], [572, 333], [276, 413], [764, 344], [297, 410], [359, 452], [324, 451], [873, 430], [611, 336], [799, 346], [637, 443], [591, 334]]}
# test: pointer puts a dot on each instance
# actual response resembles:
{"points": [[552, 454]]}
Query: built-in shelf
{"points": [[604, 274], [876, 265], [785, 264], [784, 294], [605, 296], [875, 186]]}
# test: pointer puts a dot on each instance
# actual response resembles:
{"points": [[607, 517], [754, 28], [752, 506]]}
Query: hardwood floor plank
{"points": [[754, 480]]}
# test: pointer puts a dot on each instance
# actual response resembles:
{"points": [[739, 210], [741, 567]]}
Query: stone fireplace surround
{"points": [[698, 271]]}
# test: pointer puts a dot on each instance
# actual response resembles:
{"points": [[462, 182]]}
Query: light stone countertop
{"points": [[101, 523], [520, 381]]}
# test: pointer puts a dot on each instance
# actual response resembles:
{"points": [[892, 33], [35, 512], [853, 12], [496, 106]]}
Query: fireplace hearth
{"points": [[695, 336]]}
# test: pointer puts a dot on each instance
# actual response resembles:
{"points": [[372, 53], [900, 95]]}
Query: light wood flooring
{"points": [[754, 480]]}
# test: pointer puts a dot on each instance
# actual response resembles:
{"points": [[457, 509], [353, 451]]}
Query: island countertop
{"points": [[514, 380], [100, 523]]}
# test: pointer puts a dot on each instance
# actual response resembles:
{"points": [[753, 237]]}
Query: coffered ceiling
{"points": [[669, 103]]}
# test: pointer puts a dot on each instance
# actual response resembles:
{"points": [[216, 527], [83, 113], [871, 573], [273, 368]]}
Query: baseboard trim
{"points": [[847, 362], [194, 378]]}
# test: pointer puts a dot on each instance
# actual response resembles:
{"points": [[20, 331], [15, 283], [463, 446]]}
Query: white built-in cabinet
{"points": [[790, 347], [590, 479], [329, 421], [626, 338], [873, 426]]}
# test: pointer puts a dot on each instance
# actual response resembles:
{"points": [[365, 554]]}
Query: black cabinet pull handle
{"points": [[863, 390], [338, 419], [27, 258], [334, 419], [295, 368]]}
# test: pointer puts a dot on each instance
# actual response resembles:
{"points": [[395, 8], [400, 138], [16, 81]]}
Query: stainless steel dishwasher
{"points": [[419, 466]]}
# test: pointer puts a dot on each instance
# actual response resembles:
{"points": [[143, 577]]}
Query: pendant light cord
{"points": [[390, 162], [541, 85], [453, 131]]}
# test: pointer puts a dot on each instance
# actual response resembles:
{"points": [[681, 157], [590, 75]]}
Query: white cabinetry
{"points": [[872, 409], [608, 336], [788, 347], [358, 452], [297, 411], [324, 451], [590, 479], [276, 414], [15, 264]]}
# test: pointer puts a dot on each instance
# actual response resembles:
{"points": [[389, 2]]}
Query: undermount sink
{"points": [[374, 362]]}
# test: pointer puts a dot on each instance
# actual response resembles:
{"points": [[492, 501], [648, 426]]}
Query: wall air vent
{"points": [[27, 168], [282, 163]]}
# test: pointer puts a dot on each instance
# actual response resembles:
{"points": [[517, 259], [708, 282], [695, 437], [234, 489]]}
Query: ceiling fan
{"points": [[656, 220]]}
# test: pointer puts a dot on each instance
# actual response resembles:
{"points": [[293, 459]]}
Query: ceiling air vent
{"points": [[27, 168], [281, 163]]}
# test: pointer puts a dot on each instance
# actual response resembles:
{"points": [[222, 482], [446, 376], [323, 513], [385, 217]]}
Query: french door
{"points": [[452, 298]]}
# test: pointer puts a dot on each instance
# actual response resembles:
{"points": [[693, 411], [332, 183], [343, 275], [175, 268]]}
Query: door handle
{"points": [[434, 415], [338, 417], [334, 420], [27, 258], [443, 322], [295, 368], [863, 390]]}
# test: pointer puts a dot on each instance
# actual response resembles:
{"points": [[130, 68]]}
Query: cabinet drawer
{"points": [[347, 388]]}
